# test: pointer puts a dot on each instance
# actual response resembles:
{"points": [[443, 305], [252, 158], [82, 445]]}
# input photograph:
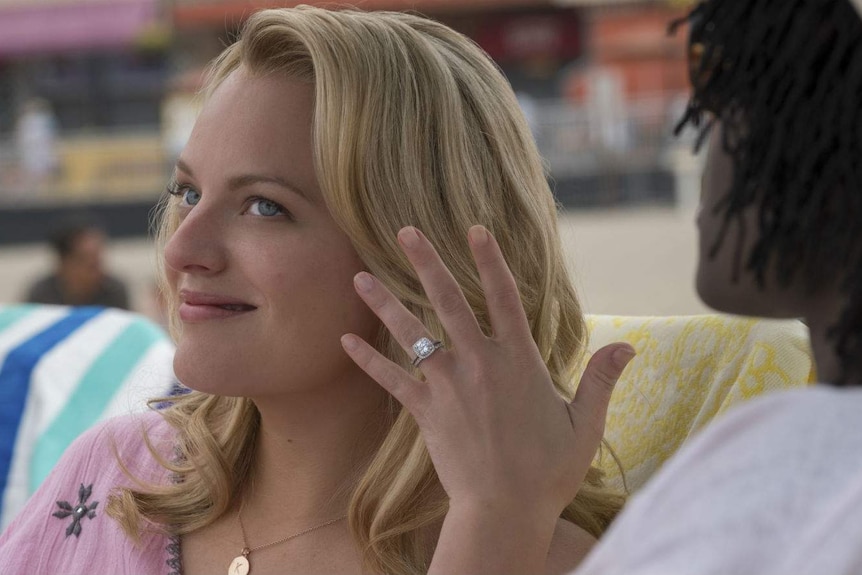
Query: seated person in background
{"points": [[80, 277]]}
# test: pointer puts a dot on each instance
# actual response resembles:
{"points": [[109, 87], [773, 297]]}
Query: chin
{"points": [[204, 373], [743, 297], [722, 303], [715, 291]]}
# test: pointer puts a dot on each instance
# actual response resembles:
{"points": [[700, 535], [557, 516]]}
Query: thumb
{"points": [[589, 408]]}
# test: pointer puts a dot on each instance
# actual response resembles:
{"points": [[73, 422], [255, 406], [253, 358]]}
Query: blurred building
{"points": [[543, 46], [599, 80], [532, 40], [609, 139], [99, 68]]}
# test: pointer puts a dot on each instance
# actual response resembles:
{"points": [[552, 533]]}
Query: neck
{"points": [[311, 449]]}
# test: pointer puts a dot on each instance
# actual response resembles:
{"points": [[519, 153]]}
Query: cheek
{"points": [[714, 273], [356, 316], [320, 290], [715, 283], [713, 280]]}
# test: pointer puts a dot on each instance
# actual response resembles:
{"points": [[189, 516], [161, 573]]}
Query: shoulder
{"points": [[126, 430], [114, 293], [43, 281], [64, 527], [731, 497], [781, 428], [132, 439], [568, 548], [44, 290], [95, 456], [114, 284]]}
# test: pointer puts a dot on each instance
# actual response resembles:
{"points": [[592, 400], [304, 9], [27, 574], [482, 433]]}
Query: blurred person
{"points": [[530, 108], [302, 293], [79, 277], [607, 113], [36, 142]]}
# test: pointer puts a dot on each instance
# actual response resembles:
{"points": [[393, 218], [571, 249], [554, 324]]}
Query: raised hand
{"points": [[505, 445]]}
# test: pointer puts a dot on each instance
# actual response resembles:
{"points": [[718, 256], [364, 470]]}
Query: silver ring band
{"points": [[424, 348]]}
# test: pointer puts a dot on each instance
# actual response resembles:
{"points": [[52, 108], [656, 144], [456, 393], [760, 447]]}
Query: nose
{"points": [[196, 246]]}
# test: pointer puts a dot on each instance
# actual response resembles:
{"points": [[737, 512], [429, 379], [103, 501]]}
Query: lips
{"points": [[237, 307], [200, 306]]}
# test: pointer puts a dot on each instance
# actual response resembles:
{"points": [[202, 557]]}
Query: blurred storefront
{"points": [[532, 40], [609, 139], [111, 86], [84, 81], [600, 81]]}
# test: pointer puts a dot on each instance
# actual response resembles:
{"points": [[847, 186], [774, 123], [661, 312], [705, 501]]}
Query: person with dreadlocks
{"points": [[775, 488]]}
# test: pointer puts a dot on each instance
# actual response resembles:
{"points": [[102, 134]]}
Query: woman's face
{"points": [[715, 283], [261, 273]]}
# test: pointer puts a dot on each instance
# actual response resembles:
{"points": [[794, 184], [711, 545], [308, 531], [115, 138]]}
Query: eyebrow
{"points": [[244, 180]]}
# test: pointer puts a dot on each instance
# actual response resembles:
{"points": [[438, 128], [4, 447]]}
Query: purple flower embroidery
{"points": [[78, 512]]}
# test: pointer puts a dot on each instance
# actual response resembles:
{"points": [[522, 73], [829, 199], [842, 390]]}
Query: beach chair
{"points": [[689, 370], [62, 369]]}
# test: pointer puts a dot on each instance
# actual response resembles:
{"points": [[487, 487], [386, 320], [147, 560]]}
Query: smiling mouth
{"points": [[237, 307], [201, 312]]}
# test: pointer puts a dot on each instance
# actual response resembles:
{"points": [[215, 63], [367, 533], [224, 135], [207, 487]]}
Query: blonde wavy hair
{"points": [[413, 125]]}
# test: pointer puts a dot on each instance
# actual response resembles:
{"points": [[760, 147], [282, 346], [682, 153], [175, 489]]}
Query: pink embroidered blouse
{"points": [[64, 527]]}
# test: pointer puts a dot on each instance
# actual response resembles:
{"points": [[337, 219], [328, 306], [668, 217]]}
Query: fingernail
{"points": [[478, 235], [363, 281], [409, 237], [622, 356], [349, 342]]}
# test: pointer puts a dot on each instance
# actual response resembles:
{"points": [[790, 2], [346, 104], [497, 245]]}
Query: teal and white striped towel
{"points": [[63, 369]]}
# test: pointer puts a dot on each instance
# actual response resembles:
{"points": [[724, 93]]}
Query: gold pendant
{"points": [[239, 566]]}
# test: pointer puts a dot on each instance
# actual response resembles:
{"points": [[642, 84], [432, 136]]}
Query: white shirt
{"points": [[773, 488]]}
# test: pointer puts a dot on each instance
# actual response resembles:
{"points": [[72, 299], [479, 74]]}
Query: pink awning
{"points": [[46, 28]]}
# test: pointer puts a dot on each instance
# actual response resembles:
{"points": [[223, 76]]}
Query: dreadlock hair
{"points": [[784, 78]]}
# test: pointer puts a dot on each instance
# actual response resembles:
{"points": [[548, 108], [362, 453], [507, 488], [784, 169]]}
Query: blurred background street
{"points": [[97, 98]]}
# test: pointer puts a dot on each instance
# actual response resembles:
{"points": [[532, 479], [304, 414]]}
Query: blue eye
{"points": [[189, 196], [266, 208]]}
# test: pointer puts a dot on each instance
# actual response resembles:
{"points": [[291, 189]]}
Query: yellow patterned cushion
{"points": [[688, 370]]}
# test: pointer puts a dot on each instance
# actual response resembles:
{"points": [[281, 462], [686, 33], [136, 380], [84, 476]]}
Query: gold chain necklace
{"points": [[240, 564]]}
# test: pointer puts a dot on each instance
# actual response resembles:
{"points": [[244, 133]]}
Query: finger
{"points": [[403, 325], [409, 391], [589, 408], [443, 291], [505, 308]]}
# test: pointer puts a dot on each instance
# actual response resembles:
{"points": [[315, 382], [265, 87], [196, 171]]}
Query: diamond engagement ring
{"points": [[423, 348]]}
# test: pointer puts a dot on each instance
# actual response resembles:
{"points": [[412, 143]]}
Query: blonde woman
{"points": [[335, 151]]}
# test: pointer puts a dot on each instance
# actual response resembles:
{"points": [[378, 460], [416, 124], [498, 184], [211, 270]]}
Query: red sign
{"points": [[543, 35]]}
